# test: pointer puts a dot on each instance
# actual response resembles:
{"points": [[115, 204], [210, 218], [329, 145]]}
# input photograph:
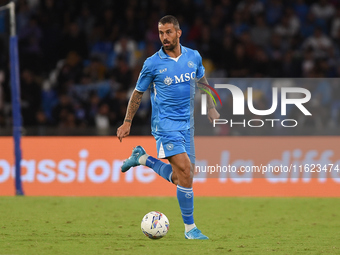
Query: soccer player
{"points": [[171, 74]]}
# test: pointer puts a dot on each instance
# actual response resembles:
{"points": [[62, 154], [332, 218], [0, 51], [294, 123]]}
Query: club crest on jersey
{"points": [[168, 80], [191, 64]]}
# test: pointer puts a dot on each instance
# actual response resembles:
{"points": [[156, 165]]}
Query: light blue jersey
{"points": [[172, 86]]}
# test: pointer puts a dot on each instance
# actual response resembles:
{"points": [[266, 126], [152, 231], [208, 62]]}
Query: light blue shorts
{"points": [[171, 143]]}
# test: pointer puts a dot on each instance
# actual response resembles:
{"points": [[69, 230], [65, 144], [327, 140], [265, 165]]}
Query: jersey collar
{"points": [[162, 53]]}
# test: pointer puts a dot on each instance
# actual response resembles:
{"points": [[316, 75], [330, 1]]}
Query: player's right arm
{"points": [[134, 103], [144, 80]]}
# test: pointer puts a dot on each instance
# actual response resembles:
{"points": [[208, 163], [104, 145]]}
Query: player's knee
{"points": [[187, 175], [185, 171]]}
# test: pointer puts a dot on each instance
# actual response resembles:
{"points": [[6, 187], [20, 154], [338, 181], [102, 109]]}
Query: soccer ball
{"points": [[155, 225]]}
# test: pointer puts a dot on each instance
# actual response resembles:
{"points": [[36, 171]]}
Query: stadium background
{"points": [[79, 61]]}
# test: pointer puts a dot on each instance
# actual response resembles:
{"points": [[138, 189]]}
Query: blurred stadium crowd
{"points": [[80, 59]]}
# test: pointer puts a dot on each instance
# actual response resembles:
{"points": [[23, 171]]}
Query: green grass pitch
{"points": [[104, 225]]}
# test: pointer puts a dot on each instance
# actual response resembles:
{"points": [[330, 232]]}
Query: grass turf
{"points": [[98, 225]]}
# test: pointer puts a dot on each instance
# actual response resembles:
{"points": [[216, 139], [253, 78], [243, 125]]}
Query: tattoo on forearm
{"points": [[133, 105], [200, 84]]}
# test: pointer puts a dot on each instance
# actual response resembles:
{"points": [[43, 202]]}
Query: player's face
{"points": [[169, 36]]}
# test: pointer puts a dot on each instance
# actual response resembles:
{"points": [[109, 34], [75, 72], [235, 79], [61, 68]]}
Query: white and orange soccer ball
{"points": [[155, 225]]}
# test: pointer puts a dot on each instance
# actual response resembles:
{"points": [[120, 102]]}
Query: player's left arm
{"points": [[212, 112]]}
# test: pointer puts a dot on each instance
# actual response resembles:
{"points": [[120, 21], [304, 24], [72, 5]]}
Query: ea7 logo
{"points": [[238, 100]]}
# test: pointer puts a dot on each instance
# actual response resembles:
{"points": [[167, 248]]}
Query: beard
{"points": [[171, 45]]}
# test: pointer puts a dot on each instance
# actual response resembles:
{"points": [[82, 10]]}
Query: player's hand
{"points": [[123, 131], [213, 114]]}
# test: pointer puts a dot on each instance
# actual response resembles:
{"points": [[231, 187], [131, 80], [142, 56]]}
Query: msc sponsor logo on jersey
{"points": [[168, 80], [182, 78]]}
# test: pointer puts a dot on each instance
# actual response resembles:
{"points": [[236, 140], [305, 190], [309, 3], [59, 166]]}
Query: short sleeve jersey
{"points": [[172, 86]]}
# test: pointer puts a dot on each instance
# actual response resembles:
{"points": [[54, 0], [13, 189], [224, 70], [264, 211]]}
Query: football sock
{"points": [[142, 159], [162, 169], [185, 197], [189, 227]]}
